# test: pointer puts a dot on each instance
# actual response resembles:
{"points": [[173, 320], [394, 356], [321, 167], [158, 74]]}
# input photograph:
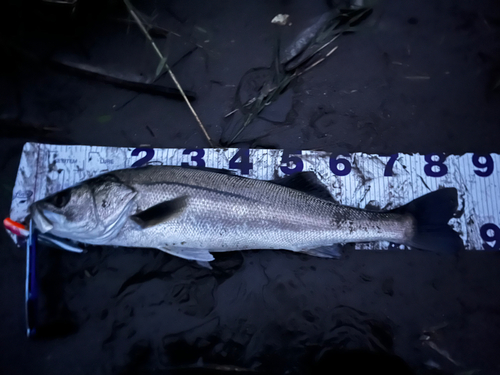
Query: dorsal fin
{"points": [[306, 182]]}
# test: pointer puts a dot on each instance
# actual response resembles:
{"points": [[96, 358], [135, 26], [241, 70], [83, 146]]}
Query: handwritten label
{"points": [[67, 161]]}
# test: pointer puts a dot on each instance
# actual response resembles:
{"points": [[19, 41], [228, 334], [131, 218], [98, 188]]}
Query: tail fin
{"points": [[432, 213]]}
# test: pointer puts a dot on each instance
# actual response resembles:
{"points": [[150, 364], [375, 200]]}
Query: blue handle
{"points": [[31, 293]]}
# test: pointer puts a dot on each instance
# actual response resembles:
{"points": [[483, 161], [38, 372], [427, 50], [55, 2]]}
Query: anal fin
{"points": [[333, 251], [200, 255]]}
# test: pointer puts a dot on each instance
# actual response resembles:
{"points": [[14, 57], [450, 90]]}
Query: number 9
{"points": [[487, 163], [485, 229]]}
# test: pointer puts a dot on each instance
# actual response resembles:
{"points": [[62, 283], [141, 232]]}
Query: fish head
{"points": [[90, 212], [68, 211]]}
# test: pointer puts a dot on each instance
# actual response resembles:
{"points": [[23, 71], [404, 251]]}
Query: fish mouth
{"points": [[40, 219]]}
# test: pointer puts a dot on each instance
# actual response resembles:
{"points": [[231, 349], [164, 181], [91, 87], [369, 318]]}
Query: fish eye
{"points": [[60, 199]]}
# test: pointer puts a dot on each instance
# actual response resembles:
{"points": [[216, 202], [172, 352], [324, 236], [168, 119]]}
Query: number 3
{"points": [[198, 158]]}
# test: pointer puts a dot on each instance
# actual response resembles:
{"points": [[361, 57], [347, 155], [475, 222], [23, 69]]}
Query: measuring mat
{"points": [[357, 180]]}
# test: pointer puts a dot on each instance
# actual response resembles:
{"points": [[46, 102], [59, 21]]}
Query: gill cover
{"points": [[112, 199]]}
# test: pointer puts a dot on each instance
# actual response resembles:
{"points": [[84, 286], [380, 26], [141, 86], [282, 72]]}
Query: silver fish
{"points": [[191, 212]]}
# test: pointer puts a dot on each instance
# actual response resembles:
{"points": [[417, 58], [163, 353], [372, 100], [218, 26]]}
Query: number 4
{"points": [[244, 165]]}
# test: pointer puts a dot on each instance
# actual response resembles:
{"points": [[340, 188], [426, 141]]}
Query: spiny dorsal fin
{"points": [[306, 182]]}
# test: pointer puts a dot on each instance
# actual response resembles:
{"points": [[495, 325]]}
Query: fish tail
{"points": [[432, 213]]}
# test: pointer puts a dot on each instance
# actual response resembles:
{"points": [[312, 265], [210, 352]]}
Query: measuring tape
{"points": [[357, 179]]}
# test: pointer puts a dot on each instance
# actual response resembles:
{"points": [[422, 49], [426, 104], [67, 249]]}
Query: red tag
{"points": [[16, 228]]}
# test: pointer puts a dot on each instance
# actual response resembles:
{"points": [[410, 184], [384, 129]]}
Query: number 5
{"points": [[286, 158]]}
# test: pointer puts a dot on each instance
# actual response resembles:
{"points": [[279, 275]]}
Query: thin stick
{"points": [[158, 52], [190, 107], [142, 27], [230, 113]]}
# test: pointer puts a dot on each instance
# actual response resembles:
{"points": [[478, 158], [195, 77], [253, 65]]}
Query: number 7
{"points": [[390, 164]]}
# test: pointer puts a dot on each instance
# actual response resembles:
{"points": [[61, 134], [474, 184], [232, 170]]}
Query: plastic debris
{"points": [[280, 19], [16, 228]]}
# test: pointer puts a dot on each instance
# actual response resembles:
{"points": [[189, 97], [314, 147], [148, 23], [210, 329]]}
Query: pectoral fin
{"points": [[159, 213], [204, 264], [200, 255]]}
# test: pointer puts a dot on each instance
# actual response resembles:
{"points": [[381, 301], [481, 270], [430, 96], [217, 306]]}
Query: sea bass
{"points": [[190, 213]]}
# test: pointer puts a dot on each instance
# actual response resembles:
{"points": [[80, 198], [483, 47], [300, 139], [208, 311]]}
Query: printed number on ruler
{"points": [[240, 160], [390, 164], [197, 158], [490, 233], [435, 166], [149, 154], [290, 157], [484, 163], [340, 167], [244, 165]]}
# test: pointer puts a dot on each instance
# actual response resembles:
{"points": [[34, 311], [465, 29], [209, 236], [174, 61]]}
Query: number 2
{"points": [[150, 153]]}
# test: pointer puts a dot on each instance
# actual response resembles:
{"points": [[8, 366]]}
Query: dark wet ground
{"points": [[131, 311]]}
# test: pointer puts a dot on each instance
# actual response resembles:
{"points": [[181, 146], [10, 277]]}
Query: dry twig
{"points": [[163, 63]]}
